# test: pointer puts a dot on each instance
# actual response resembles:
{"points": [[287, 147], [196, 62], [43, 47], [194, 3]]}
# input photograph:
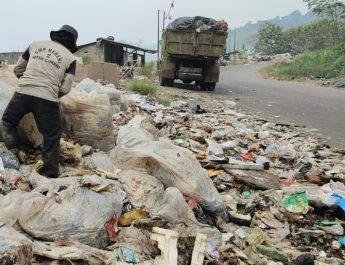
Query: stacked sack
{"points": [[87, 114]]}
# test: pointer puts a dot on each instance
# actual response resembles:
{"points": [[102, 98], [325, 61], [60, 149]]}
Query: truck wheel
{"points": [[169, 82], [208, 86], [162, 81], [211, 86], [203, 86]]}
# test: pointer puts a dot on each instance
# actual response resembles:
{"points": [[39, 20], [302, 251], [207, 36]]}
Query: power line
{"points": [[172, 5]]}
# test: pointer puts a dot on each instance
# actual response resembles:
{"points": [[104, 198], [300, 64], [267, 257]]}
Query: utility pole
{"points": [[229, 41], [234, 40], [158, 41], [164, 20]]}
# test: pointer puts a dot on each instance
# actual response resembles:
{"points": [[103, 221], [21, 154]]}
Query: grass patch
{"points": [[166, 100], [319, 65], [142, 87]]}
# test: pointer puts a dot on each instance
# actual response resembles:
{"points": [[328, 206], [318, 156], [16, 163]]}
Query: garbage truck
{"points": [[191, 48]]}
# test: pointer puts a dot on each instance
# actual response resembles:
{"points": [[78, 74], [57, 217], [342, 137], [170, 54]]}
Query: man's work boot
{"points": [[48, 172]]}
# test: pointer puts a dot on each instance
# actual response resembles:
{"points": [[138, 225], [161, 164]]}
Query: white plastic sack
{"points": [[56, 209], [117, 101], [175, 209], [88, 119], [142, 189], [172, 165], [98, 161]]}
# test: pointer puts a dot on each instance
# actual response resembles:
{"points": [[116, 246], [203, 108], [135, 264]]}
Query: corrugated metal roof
{"points": [[120, 44]]}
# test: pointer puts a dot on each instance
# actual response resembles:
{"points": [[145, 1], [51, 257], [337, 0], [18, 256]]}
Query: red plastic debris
{"points": [[191, 202], [287, 182], [110, 226], [247, 156]]}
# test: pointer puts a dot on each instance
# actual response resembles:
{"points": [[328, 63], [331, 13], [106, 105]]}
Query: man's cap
{"points": [[70, 30]]}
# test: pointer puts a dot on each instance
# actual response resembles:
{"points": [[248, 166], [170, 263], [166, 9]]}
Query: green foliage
{"points": [[271, 40], [334, 10], [86, 60], [313, 37], [142, 87], [326, 64], [316, 36]]}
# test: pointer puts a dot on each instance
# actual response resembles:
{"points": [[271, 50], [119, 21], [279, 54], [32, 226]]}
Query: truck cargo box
{"points": [[192, 43]]}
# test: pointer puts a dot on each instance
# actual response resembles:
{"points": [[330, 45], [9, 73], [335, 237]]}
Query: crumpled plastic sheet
{"points": [[77, 208], [172, 165]]}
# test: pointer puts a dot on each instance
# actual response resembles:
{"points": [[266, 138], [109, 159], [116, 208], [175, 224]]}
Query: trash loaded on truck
{"points": [[191, 47]]}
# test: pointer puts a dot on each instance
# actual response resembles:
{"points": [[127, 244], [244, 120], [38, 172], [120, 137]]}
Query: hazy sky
{"points": [[22, 21]]}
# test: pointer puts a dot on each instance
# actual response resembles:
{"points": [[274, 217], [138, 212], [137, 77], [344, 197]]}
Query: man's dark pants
{"points": [[48, 120]]}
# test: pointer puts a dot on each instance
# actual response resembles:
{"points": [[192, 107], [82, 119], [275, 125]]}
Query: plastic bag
{"points": [[88, 119], [175, 209], [117, 101], [98, 161], [72, 210], [198, 23], [9, 159], [141, 189], [172, 165]]}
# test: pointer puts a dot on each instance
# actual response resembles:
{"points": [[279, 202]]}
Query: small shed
{"points": [[107, 50]]}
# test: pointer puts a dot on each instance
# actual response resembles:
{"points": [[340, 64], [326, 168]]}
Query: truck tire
{"points": [[162, 81], [208, 86], [211, 86], [203, 86], [167, 82]]}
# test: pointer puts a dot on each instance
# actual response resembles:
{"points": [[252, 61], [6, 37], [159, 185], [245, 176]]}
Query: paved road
{"points": [[320, 108]]}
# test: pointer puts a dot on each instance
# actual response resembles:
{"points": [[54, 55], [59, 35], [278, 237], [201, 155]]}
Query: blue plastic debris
{"points": [[339, 200], [341, 84], [128, 255], [342, 241]]}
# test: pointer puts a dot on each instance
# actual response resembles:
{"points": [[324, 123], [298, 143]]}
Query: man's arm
{"points": [[23, 60], [68, 80]]}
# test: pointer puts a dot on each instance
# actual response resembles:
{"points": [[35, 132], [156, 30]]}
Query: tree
{"points": [[332, 9], [271, 40]]}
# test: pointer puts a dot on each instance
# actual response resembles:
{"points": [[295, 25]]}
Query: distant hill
{"points": [[246, 35]]}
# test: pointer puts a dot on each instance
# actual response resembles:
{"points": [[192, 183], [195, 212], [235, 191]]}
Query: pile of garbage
{"points": [[182, 184], [199, 24]]}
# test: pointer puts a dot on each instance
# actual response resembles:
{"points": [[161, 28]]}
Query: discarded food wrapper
{"points": [[342, 241], [297, 203], [339, 200], [127, 255], [130, 217], [325, 222], [256, 236]]}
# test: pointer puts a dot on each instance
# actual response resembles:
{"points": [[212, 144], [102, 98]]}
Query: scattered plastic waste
{"points": [[260, 192], [297, 203], [198, 110]]}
